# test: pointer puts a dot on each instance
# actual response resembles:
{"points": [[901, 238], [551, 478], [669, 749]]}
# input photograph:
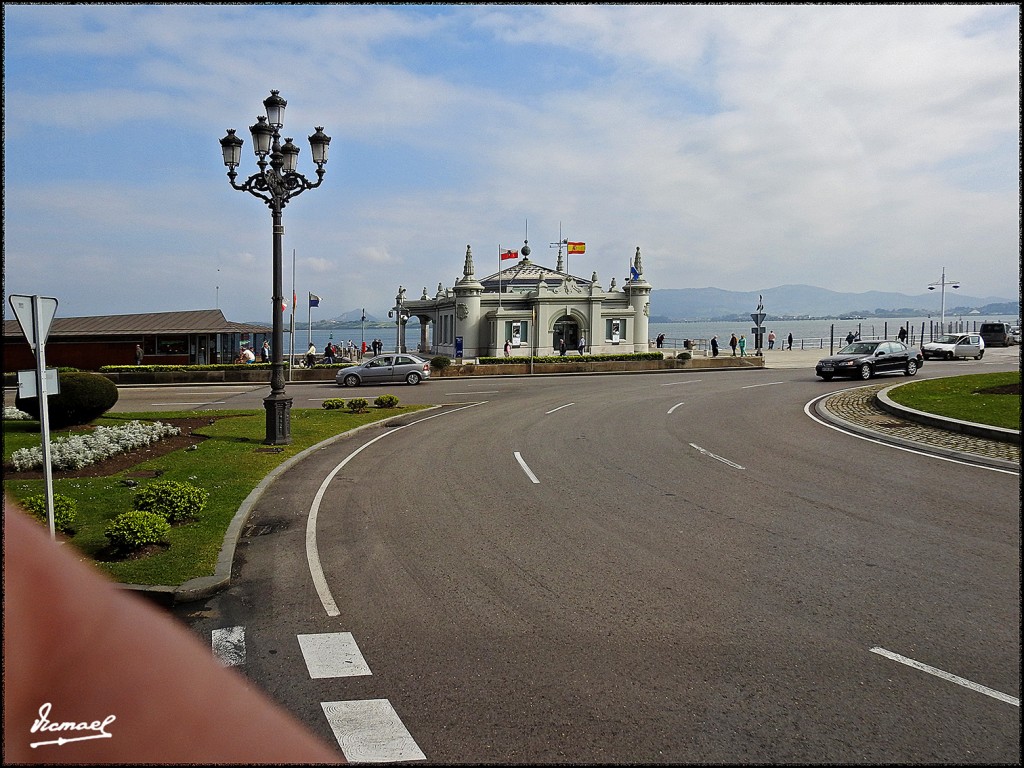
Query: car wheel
{"points": [[826, 376], [351, 380], [949, 355], [412, 378], [980, 355], [911, 367], [866, 372]]}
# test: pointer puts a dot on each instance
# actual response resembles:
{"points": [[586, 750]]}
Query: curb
{"points": [[972, 458], [999, 434]]}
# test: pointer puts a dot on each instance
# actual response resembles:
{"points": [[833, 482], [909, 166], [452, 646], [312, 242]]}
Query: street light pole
{"points": [[275, 186], [931, 287]]}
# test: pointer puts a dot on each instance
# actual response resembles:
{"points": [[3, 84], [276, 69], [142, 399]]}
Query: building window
{"points": [[172, 345]]}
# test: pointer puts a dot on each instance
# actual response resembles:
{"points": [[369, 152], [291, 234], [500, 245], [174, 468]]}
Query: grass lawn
{"points": [[984, 398], [228, 464]]}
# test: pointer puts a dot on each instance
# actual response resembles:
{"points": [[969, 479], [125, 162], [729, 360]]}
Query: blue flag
{"points": [[633, 274], [314, 300]]}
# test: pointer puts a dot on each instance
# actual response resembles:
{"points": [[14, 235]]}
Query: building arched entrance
{"points": [[568, 328]]}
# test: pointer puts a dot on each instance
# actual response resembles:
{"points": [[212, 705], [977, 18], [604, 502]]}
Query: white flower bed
{"points": [[14, 414], [77, 451]]}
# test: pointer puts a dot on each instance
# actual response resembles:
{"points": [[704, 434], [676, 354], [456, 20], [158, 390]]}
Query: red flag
{"points": [[509, 255], [577, 247]]}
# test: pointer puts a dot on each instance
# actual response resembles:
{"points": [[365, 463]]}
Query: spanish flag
{"points": [[577, 247]]}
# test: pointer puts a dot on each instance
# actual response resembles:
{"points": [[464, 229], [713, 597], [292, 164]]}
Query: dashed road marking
{"points": [[558, 408], [229, 645], [947, 676], [370, 731], [526, 469], [674, 407], [715, 456], [332, 654]]}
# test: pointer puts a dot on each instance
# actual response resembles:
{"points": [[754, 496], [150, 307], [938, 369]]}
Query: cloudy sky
{"points": [[740, 147]]}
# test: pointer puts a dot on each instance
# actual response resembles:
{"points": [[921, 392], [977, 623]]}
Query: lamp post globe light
{"points": [[943, 283], [276, 183]]}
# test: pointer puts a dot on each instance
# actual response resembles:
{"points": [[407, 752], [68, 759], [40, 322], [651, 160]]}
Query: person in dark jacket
{"points": [[714, 346]]}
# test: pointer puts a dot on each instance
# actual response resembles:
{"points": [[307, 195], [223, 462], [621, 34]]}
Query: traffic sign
{"points": [[28, 385], [26, 309], [758, 317]]}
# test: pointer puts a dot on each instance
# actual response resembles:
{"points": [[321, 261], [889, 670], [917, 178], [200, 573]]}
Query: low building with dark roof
{"points": [[196, 337]]}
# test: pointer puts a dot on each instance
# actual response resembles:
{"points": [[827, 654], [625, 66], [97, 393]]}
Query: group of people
{"points": [[741, 344], [580, 346]]}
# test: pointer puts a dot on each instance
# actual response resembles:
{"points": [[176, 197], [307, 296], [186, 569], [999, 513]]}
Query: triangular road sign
{"points": [[22, 306]]}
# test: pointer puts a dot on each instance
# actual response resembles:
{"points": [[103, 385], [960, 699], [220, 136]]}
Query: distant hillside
{"points": [[674, 304]]}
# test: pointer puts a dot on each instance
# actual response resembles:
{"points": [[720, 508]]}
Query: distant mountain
{"points": [[674, 304]]}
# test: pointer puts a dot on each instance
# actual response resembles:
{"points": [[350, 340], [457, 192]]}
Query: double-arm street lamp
{"points": [[276, 185], [943, 283]]}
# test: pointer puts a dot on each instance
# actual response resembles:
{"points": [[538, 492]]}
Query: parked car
{"points": [[864, 359], [384, 369], [955, 345], [1015, 334], [995, 334]]}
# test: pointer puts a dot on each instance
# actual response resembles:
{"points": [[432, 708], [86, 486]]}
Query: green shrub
{"points": [[136, 529], [386, 401], [440, 362], [171, 500], [333, 403], [358, 404], [83, 397], [64, 511], [683, 356]]}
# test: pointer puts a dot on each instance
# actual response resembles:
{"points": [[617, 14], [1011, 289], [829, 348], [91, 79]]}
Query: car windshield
{"points": [[949, 338], [859, 348]]}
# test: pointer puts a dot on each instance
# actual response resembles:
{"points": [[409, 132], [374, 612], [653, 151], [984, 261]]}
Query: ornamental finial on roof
{"points": [[467, 270], [637, 263]]}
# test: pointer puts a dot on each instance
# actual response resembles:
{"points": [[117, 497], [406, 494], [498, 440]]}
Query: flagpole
{"points": [[309, 318], [499, 277]]}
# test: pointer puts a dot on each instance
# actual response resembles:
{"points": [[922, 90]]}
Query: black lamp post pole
{"points": [[276, 186]]}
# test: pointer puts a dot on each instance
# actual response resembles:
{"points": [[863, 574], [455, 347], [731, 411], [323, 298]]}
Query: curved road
{"points": [[679, 567]]}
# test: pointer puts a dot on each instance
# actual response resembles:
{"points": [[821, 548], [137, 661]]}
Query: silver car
{"points": [[384, 369], [953, 345]]}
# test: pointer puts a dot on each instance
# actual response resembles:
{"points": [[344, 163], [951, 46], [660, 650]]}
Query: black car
{"points": [[864, 359]]}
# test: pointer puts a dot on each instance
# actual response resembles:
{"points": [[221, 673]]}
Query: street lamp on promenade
{"points": [[943, 283], [275, 186]]}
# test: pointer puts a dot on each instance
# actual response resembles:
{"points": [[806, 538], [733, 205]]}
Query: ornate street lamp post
{"points": [[275, 186]]}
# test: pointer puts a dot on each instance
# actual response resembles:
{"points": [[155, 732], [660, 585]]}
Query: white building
{"points": [[534, 308]]}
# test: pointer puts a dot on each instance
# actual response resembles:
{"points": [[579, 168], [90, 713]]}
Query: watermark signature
{"points": [[43, 724]]}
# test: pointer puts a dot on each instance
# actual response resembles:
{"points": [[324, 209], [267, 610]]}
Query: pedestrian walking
{"points": [[265, 352], [561, 347], [903, 335], [743, 345], [661, 340], [714, 346], [138, 355], [311, 356], [849, 337], [733, 341], [582, 345], [771, 339], [790, 340], [508, 347]]}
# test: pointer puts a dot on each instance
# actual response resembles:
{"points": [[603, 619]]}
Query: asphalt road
{"points": [[679, 568]]}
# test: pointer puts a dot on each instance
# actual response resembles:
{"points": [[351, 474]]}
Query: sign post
{"points": [[35, 313], [758, 331]]}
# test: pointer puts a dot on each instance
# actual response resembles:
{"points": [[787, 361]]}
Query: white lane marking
{"points": [[674, 407], [688, 381], [558, 408], [766, 384], [332, 654], [478, 392], [808, 409], [526, 469], [947, 676], [316, 570], [370, 731], [715, 456], [229, 645]]}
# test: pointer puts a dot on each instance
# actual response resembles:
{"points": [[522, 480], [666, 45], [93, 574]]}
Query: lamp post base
{"points": [[279, 419]]}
